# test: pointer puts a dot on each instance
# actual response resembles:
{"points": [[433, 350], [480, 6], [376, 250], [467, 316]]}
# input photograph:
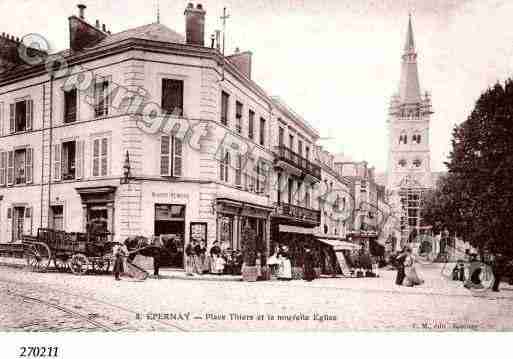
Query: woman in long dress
{"points": [[285, 272], [411, 276]]}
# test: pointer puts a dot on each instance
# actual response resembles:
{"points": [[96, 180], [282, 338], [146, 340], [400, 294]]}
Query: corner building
{"points": [[199, 157]]}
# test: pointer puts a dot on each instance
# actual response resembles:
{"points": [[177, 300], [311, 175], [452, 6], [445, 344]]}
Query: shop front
{"points": [[169, 228], [98, 210], [231, 217]]}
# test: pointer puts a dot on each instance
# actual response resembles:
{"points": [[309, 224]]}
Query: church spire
{"points": [[410, 43], [409, 88]]}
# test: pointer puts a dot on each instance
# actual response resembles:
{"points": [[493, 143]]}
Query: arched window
{"points": [[403, 138], [325, 229], [416, 138]]}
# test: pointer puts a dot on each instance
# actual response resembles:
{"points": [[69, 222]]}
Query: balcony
{"points": [[298, 213], [288, 159]]}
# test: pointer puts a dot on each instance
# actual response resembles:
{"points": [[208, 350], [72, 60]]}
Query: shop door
{"points": [[18, 221], [170, 229], [98, 220]]}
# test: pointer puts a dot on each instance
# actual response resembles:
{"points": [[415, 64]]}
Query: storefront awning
{"points": [[295, 229], [338, 245]]}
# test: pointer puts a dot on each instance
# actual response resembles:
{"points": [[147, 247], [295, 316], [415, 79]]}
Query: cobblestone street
{"points": [[54, 301]]}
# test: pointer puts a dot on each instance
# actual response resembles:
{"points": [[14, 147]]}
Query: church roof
{"points": [[409, 88]]}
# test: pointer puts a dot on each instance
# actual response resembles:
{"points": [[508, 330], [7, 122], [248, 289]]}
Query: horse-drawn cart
{"points": [[78, 252]]}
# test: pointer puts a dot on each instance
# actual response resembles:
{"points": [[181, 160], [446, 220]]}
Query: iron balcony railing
{"points": [[297, 212], [285, 154]]}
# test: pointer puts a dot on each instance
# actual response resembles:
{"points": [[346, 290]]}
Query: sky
{"points": [[336, 62]]}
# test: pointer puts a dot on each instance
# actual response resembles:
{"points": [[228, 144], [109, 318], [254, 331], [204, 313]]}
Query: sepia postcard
{"points": [[255, 166]]}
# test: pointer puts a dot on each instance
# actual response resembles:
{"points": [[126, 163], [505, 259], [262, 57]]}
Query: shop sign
{"points": [[170, 195], [198, 231]]}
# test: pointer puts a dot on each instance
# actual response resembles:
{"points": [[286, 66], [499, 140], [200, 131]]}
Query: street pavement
{"points": [[65, 302]]}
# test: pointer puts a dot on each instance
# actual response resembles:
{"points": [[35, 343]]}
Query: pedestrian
{"points": [[119, 252], [199, 252], [285, 272], [399, 264], [411, 276], [189, 258], [258, 264], [308, 265], [156, 263]]}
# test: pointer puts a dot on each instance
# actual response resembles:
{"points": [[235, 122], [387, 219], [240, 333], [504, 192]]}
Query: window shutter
{"points": [[57, 162], [177, 157], [104, 157], [3, 167], [221, 166], [165, 156], [96, 158], [11, 117], [29, 160], [79, 160], [30, 114], [10, 168]]}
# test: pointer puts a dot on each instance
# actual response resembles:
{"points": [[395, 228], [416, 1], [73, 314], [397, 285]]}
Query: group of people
{"points": [[281, 266], [216, 261], [406, 270]]}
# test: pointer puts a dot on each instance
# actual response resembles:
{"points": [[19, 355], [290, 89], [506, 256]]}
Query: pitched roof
{"points": [[154, 32]]}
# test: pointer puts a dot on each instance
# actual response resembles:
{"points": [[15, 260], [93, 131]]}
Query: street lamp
{"points": [[126, 170]]}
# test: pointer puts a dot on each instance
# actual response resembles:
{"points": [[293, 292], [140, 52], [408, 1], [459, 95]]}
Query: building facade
{"points": [[149, 132]]}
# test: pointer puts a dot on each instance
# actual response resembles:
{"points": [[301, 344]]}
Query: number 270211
{"points": [[38, 352]]}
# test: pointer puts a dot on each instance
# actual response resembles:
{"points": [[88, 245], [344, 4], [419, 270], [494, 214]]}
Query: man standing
{"points": [[399, 263], [308, 270]]}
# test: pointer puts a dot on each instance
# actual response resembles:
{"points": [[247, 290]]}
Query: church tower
{"points": [[408, 170]]}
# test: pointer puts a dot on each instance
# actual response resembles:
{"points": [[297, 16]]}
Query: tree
{"points": [[475, 198]]}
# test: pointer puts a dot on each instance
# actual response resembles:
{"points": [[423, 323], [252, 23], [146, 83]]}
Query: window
{"points": [[262, 131], [402, 162], [238, 116], [417, 162], [238, 170], [307, 198], [224, 108], [291, 142], [57, 217], [172, 97], [363, 187], [225, 167], [403, 139], [100, 157], [21, 116], [3, 168], [20, 163], [290, 187], [416, 138], [307, 153], [101, 96], [171, 156], [251, 125], [281, 133], [300, 147], [70, 106], [68, 160]]}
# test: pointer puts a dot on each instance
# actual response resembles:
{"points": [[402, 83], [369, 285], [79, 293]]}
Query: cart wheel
{"points": [[79, 264], [38, 257], [101, 265], [61, 264]]}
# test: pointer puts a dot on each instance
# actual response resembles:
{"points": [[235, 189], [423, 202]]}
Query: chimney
{"points": [[81, 9], [195, 25], [82, 34], [242, 61]]}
